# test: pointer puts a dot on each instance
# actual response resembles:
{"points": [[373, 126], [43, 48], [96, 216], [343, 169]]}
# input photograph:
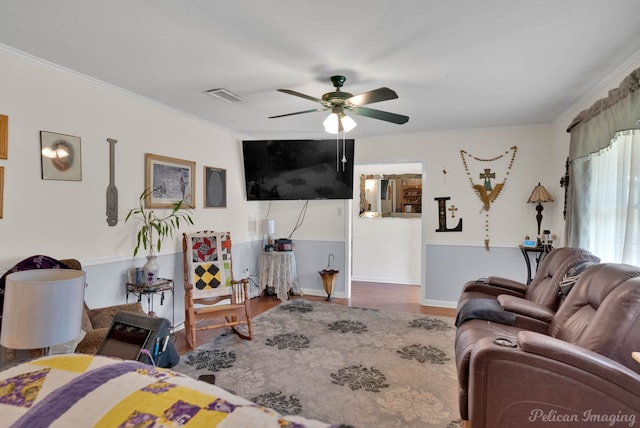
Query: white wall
{"points": [[67, 218], [510, 217]]}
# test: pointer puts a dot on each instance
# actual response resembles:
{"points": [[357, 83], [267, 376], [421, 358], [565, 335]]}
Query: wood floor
{"points": [[390, 297]]}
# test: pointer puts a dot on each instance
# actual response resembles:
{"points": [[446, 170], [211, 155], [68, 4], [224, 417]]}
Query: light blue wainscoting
{"points": [[449, 267], [311, 257]]}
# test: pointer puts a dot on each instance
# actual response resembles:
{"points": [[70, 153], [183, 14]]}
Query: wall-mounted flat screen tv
{"points": [[298, 169]]}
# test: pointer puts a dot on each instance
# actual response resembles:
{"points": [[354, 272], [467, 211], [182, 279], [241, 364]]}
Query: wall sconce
{"points": [[539, 195]]}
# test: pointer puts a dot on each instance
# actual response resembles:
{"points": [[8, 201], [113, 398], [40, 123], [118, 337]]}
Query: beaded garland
{"points": [[486, 192]]}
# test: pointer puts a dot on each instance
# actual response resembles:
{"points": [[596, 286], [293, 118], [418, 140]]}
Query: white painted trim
{"points": [[321, 293], [474, 244], [386, 280], [348, 251], [120, 259], [439, 303]]}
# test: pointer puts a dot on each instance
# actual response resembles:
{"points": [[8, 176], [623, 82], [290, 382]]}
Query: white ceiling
{"points": [[455, 64]]}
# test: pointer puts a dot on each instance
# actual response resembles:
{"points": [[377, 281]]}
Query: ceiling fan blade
{"points": [[298, 112], [373, 96], [378, 114], [301, 95]]}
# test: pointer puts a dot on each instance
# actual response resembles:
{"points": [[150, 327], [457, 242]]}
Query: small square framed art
{"points": [[61, 156]]}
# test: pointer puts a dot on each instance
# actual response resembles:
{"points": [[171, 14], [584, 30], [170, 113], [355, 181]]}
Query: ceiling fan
{"points": [[339, 102]]}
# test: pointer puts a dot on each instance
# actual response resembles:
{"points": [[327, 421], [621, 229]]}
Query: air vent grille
{"points": [[225, 95]]}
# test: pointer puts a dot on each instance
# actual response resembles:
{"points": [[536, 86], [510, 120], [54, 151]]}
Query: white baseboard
{"points": [[439, 303], [315, 292], [386, 280]]}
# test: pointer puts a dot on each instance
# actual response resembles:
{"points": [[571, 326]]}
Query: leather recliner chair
{"points": [[543, 288], [534, 308], [580, 368]]}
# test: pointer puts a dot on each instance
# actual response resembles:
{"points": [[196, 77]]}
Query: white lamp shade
{"points": [[331, 124], [270, 226], [42, 308], [348, 124]]}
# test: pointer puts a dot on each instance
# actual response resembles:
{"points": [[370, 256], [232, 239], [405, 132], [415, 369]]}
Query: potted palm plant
{"points": [[154, 230]]}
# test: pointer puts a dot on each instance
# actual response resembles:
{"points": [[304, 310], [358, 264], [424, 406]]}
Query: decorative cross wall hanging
{"points": [[487, 191]]}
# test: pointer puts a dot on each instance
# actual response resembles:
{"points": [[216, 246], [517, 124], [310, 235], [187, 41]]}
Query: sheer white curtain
{"points": [[603, 193], [607, 186]]}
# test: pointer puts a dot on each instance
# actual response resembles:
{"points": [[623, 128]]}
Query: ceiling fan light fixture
{"points": [[348, 124], [332, 123]]}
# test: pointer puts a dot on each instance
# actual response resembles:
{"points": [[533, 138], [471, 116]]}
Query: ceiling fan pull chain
{"points": [[344, 150], [337, 153]]}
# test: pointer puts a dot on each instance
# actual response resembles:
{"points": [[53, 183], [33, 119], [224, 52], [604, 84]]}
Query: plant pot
{"points": [[150, 269]]}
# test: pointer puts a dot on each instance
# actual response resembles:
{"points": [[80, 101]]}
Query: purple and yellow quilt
{"points": [[75, 390]]}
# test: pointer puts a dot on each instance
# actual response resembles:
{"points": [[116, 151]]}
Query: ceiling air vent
{"points": [[225, 95]]}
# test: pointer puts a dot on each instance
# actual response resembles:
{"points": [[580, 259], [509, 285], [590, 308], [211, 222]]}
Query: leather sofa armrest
{"points": [[518, 383], [526, 307], [577, 356], [507, 283], [490, 289]]}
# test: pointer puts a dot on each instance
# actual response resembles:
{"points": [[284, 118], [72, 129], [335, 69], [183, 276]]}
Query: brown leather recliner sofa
{"points": [[543, 288], [578, 373], [531, 307]]}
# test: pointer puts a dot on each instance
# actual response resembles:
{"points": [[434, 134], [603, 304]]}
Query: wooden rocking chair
{"points": [[208, 281]]}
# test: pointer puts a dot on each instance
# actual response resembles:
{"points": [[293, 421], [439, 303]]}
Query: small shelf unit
{"points": [[412, 199]]}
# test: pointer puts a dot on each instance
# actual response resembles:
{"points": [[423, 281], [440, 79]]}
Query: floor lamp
{"points": [[42, 308], [539, 195]]}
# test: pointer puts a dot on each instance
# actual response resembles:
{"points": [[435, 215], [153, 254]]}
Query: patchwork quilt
{"points": [[75, 390], [209, 263]]}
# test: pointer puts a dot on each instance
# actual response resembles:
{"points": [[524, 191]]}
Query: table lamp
{"points": [[270, 228], [42, 308], [539, 195]]}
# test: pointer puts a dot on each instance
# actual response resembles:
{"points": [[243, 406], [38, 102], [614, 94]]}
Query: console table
{"points": [[277, 269], [538, 252], [161, 285]]}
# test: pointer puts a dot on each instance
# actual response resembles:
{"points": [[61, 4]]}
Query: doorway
{"points": [[385, 249]]}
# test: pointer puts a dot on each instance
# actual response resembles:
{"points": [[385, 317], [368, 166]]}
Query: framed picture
{"points": [[170, 180], [61, 157], [4, 136], [215, 187], [1, 188]]}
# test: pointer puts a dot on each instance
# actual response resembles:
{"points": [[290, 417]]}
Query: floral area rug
{"points": [[342, 365]]}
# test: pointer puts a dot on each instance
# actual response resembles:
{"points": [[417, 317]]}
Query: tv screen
{"points": [[298, 169]]}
